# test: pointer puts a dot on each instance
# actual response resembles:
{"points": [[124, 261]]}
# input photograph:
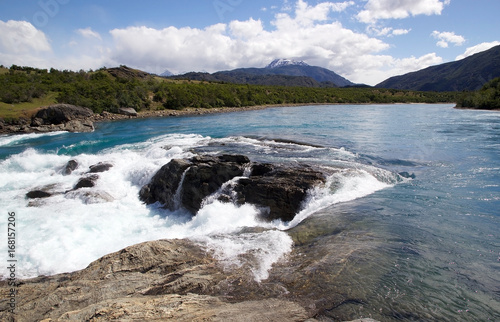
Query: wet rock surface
{"points": [[278, 190], [100, 167], [172, 280], [86, 182], [71, 166], [81, 190], [178, 280]]}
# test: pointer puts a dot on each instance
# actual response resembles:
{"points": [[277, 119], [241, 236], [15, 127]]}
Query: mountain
{"points": [[282, 72], [238, 77], [285, 62], [469, 74], [166, 73]]}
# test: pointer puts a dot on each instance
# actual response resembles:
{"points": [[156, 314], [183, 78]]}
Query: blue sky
{"points": [[365, 41]]}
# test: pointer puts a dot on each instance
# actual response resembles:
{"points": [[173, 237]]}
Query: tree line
{"points": [[108, 90], [487, 98]]}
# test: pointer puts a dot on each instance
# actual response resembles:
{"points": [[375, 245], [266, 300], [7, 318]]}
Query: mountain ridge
{"points": [[283, 72], [469, 74]]}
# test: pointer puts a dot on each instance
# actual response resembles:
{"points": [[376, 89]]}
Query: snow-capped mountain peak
{"points": [[285, 62]]}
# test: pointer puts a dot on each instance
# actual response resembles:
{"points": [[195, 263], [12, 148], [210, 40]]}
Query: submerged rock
{"points": [[86, 182], [279, 190], [100, 167], [42, 192], [90, 197], [70, 167], [38, 194]]}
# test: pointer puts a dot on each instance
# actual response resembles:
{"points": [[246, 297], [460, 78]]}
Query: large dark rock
{"points": [[100, 167], [70, 167], [278, 190], [59, 117], [61, 113], [199, 177], [35, 194], [281, 190], [42, 192], [86, 182]]}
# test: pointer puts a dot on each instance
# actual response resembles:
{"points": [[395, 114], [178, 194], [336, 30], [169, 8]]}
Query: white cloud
{"points": [[445, 38], [386, 31], [89, 33], [306, 34], [477, 49], [22, 44], [398, 9], [21, 37], [399, 32], [373, 69]]}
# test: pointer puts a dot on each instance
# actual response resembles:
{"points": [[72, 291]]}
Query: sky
{"points": [[365, 41]]}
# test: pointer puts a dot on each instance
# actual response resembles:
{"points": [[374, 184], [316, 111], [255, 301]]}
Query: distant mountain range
{"points": [[283, 72], [469, 74]]}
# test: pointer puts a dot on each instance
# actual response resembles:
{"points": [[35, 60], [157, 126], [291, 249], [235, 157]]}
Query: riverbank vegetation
{"points": [[25, 88], [487, 98]]}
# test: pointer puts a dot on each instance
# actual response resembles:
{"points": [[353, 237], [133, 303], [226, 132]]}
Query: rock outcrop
{"points": [[127, 111], [165, 280], [281, 190], [278, 190], [59, 117]]}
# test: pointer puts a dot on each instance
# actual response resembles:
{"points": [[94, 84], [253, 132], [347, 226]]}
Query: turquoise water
{"points": [[441, 248]]}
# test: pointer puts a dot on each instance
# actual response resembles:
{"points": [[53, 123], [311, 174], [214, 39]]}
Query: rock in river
{"points": [[278, 190]]}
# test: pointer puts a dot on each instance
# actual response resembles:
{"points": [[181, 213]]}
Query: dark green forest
{"points": [[109, 89], [487, 98]]}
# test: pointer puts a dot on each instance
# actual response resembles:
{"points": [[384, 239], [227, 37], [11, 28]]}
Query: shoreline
{"points": [[191, 111]]}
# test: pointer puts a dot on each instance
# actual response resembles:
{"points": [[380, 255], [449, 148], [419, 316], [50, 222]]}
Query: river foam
{"points": [[67, 231]]}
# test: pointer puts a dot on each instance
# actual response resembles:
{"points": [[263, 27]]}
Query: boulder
{"points": [[78, 126], [61, 113], [100, 167], [128, 111], [279, 190], [35, 194], [164, 184], [42, 192], [86, 182], [198, 178], [206, 176], [69, 167]]}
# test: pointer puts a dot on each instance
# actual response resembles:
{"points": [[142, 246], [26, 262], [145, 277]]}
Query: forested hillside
{"points": [[468, 74], [487, 98], [24, 88]]}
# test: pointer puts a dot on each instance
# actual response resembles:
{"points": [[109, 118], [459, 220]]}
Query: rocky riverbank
{"points": [[185, 280], [66, 117], [164, 280], [59, 117]]}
